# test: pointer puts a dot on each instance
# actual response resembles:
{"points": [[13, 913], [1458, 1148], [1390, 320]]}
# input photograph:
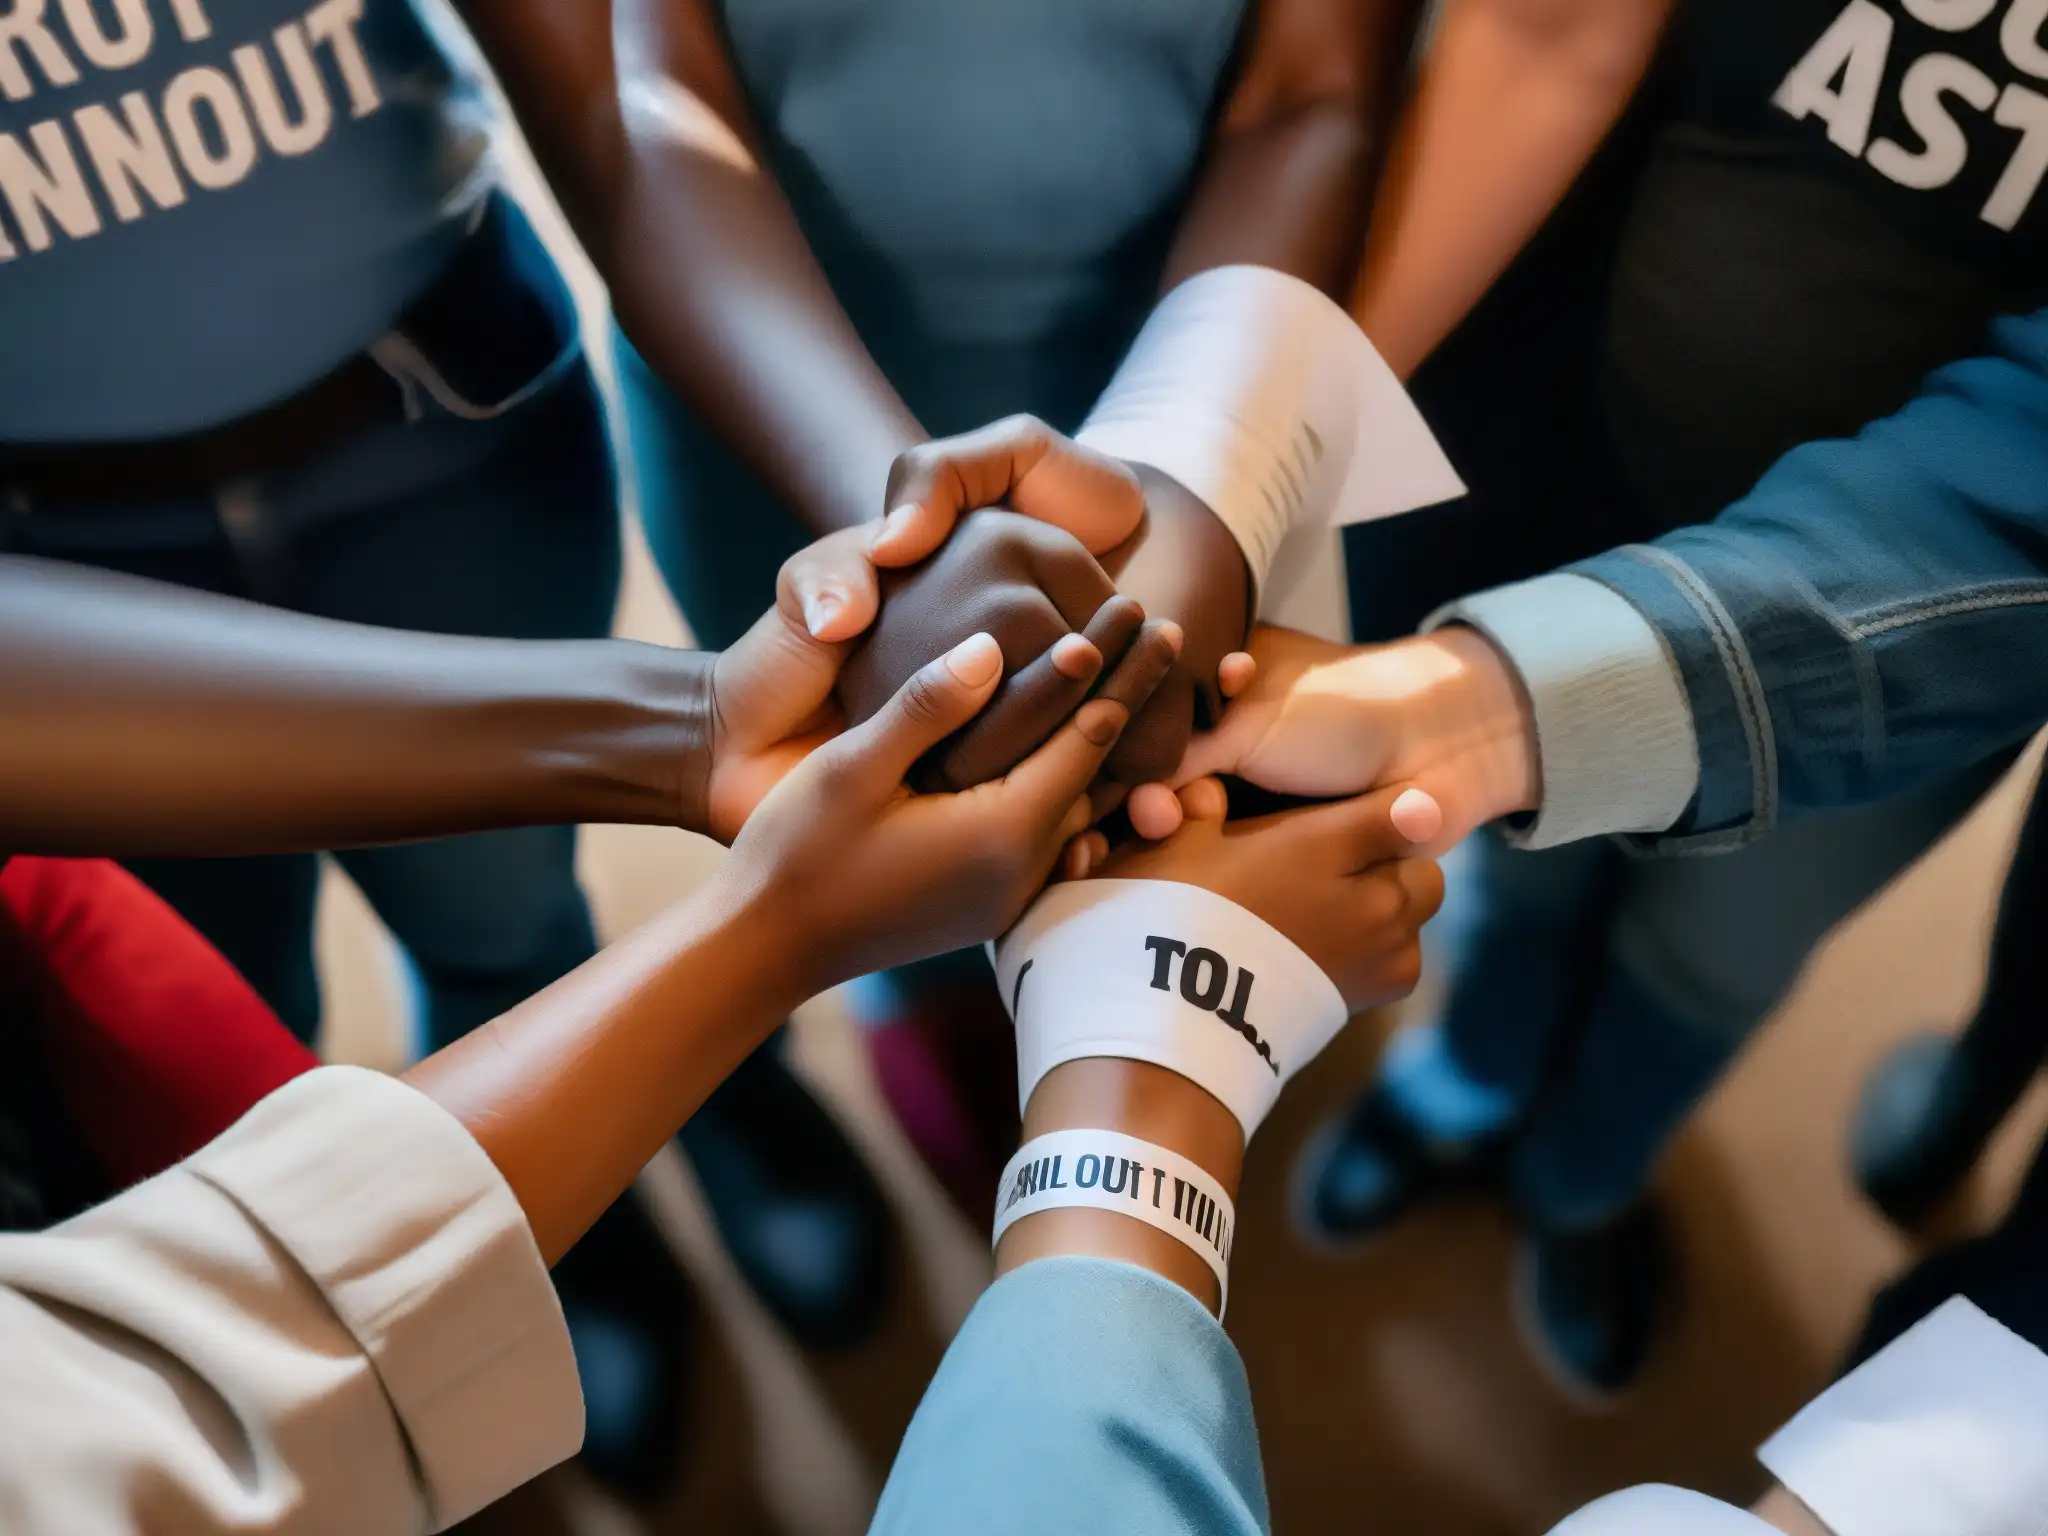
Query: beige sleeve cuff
{"points": [[420, 1247]]}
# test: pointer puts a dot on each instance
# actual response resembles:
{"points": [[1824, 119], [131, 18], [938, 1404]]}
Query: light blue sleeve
{"points": [[1082, 1395]]}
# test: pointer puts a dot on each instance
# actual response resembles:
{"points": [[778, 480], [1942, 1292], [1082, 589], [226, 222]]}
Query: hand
{"points": [[1019, 463], [1343, 881], [1179, 555], [1184, 565], [1443, 711], [1026, 583], [863, 874]]}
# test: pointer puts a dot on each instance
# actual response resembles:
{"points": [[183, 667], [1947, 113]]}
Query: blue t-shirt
{"points": [[206, 205]]}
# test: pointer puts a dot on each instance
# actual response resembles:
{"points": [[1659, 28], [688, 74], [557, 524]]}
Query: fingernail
{"points": [[1173, 635], [897, 521], [975, 660], [1416, 815], [1075, 657], [820, 609]]}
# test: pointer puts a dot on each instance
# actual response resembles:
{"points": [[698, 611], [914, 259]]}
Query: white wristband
{"points": [[1257, 393], [1158, 971], [1109, 1171]]}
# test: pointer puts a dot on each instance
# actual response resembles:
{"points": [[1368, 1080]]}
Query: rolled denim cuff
{"points": [[1735, 750], [1614, 733]]}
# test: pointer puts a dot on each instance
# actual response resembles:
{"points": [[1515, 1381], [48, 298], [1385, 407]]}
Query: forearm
{"points": [[1089, 1389], [643, 131], [1512, 99], [1287, 177], [623, 1049], [1152, 1104], [138, 719], [1288, 194]]}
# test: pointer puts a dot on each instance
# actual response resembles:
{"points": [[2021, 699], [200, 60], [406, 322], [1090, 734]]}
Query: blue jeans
{"points": [[485, 503], [1596, 997]]}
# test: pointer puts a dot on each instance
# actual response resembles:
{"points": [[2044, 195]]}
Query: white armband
{"points": [[1158, 971], [1258, 394], [1109, 1171]]}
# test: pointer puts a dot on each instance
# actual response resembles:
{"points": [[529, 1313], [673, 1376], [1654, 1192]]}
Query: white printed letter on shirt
{"points": [[316, 113], [132, 157], [131, 47], [1853, 49], [52, 184], [224, 105], [23, 28], [1943, 147]]}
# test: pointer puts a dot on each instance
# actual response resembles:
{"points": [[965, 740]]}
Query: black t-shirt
{"points": [[1839, 195]]}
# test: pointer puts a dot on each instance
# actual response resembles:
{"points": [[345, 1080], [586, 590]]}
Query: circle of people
{"points": [[1149, 484]]}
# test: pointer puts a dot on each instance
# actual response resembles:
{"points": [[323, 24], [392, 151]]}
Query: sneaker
{"points": [[1370, 1166], [1913, 1139], [794, 1202], [1589, 1302]]}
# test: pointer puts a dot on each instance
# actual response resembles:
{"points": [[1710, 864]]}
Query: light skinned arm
{"points": [[1863, 602], [340, 1304], [1512, 99], [1121, 1405], [839, 871]]}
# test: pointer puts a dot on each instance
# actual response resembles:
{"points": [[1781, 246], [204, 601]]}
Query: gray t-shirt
{"points": [[206, 205], [991, 184]]}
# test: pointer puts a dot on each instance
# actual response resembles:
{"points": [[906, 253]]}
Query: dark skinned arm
{"points": [[141, 719], [1286, 183], [640, 124], [639, 120]]}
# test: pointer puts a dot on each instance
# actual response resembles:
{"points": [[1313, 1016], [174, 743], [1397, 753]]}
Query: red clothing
{"points": [[157, 1043]]}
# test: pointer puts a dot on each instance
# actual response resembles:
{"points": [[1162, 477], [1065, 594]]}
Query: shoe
{"points": [[801, 1216], [631, 1315], [1370, 1166], [1589, 1302], [1913, 1141]]}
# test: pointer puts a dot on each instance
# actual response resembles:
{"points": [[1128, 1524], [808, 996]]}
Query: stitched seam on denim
{"points": [[2024, 597], [1752, 708]]}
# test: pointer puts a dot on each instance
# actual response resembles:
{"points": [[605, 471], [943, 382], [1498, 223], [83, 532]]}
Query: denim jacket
{"points": [[1872, 616]]}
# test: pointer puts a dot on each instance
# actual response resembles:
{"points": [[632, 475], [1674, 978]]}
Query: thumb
{"points": [[1019, 462], [828, 590], [939, 698], [1396, 822]]}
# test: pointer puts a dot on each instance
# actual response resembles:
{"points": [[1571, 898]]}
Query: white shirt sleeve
{"points": [[1944, 1432], [333, 1318]]}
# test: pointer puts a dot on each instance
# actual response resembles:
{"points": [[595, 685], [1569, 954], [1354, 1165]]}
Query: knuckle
{"points": [[925, 698]]}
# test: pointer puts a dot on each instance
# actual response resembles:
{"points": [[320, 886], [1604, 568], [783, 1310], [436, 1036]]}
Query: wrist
{"points": [[642, 751], [1467, 730], [1154, 1105]]}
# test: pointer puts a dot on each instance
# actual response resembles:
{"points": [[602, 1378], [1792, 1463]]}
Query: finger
{"points": [[1061, 769], [1020, 462], [1358, 832], [1236, 672], [828, 589], [1416, 815], [1156, 811], [1205, 800], [1032, 702], [939, 698]]}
